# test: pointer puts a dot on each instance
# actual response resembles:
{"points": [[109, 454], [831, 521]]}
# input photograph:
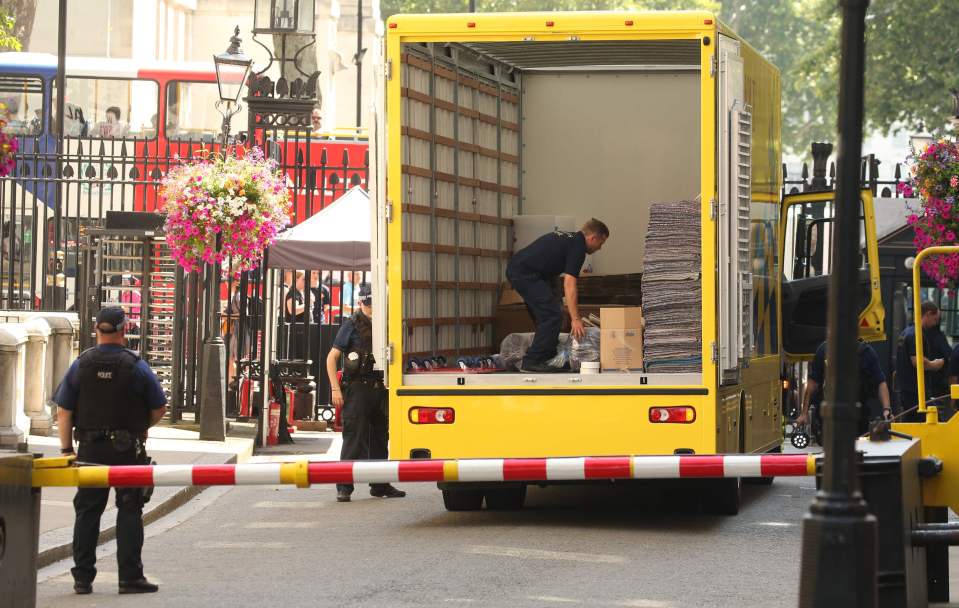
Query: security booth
{"points": [[317, 268]]}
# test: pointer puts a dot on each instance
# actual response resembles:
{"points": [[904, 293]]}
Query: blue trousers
{"points": [[547, 311]]}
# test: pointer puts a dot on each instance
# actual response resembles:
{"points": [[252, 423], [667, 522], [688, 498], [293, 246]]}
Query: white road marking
{"points": [[557, 600], [568, 556], [776, 524], [296, 504], [56, 503], [274, 525], [218, 544]]}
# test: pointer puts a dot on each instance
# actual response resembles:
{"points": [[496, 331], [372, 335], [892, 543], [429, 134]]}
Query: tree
{"points": [[911, 63], [16, 23], [784, 32]]}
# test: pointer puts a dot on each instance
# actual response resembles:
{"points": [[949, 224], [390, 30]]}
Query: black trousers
{"points": [[547, 311], [365, 425], [89, 504]]}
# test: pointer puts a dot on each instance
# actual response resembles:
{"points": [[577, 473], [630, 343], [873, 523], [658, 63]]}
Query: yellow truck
{"points": [[486, 119]]}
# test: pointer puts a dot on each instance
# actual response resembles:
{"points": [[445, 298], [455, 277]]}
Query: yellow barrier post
{"points": [[932, 415]]}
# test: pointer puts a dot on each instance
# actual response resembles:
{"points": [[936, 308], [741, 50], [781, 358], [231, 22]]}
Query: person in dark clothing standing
{"points": [[873, 390], [111, 397], [932, 360], [532, 270], [362, 396]]}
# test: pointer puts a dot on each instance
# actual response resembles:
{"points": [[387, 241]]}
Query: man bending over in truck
{"points": [[532, 270]]}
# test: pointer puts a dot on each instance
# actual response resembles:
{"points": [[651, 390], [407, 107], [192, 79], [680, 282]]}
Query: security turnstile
{"points": [[132, 269]]}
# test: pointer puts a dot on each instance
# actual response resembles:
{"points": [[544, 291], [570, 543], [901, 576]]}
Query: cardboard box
{"points": [[621, 339], [621, 317]]}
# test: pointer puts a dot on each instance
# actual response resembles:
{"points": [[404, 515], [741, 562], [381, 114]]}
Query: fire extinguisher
{"points": [[273, 424]]}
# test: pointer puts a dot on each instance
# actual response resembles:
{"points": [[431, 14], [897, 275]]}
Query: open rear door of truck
{"points": [[807, 233], [734, 283]]}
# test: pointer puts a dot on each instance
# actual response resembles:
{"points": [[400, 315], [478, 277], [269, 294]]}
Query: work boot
{"points": [[342, 496], [140, 585], [82, 588], [538, 367], [387, 491]]}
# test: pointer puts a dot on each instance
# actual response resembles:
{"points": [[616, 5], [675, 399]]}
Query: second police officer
{"points": [[111, 397], [362, 395]]}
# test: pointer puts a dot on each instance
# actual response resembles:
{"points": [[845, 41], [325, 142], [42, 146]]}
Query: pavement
{"points": [[166, 445]]}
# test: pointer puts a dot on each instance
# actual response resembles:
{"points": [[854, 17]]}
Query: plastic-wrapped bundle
{"points": [[586, 349], [514, 347]]}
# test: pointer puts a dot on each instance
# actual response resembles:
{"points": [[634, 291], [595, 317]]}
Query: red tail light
{"points": [[682, 414], [432, 415]]}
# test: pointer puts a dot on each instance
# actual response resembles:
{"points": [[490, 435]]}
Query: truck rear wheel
{"points": [[462, 499], [506, 499], [722, 496]]}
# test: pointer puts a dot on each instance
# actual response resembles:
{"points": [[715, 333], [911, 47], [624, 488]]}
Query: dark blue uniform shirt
{"points": [[906, 348], [149, 386], [551, 255], [869, 369], [347, 338], [954, 361]]}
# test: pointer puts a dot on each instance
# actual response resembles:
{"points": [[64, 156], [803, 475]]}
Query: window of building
{"points": [[111, 108], [22, 99], [191, 112]]}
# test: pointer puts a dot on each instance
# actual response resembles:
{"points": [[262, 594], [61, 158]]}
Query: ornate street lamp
{"points": [[287, 102], [284, 16], [232, 71]]}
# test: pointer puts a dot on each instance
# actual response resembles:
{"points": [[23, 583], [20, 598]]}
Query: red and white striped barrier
{"points": [[304, 473]]}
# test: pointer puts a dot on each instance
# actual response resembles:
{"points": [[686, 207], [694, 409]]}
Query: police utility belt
{"points": [[122, 439], [358, 368]]}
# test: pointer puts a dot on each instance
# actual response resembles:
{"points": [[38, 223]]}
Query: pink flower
{"points": [[954, 182]]}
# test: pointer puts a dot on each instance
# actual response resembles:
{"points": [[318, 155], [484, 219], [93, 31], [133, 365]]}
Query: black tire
{"points": [[506, 499], [462, 499], [723, 496]]}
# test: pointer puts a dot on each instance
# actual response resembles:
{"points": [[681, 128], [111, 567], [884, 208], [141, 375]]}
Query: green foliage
{"points": [[8, 39]]}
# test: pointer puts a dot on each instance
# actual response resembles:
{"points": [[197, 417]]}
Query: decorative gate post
{"points": [[13, 340], [35, 392]]}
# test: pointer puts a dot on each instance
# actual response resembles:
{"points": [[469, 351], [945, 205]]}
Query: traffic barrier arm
{"points": [[62, 472]]}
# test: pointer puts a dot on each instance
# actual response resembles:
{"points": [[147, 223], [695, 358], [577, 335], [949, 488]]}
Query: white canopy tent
{"points": [[338, 237]]}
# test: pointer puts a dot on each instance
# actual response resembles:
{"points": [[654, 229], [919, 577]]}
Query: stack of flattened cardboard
{"points": [[672, 289]]}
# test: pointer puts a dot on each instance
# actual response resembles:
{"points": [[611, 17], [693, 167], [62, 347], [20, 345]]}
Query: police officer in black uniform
{"points": [[362, 396], [532, 271], [111, 397], [873, 391]]}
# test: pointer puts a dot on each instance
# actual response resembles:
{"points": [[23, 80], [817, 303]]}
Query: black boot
{"points": [[386, 491], [138, 586]]}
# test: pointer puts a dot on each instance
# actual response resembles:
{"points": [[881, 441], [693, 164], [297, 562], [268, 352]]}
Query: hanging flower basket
{"points": [[8, 145], [935, 177], [244, 200]]}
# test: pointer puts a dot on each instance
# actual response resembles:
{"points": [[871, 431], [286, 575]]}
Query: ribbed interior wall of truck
{"points": [[460, 142]]}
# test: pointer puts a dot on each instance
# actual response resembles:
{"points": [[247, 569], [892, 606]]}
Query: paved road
{"points": [[571, 546]]}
